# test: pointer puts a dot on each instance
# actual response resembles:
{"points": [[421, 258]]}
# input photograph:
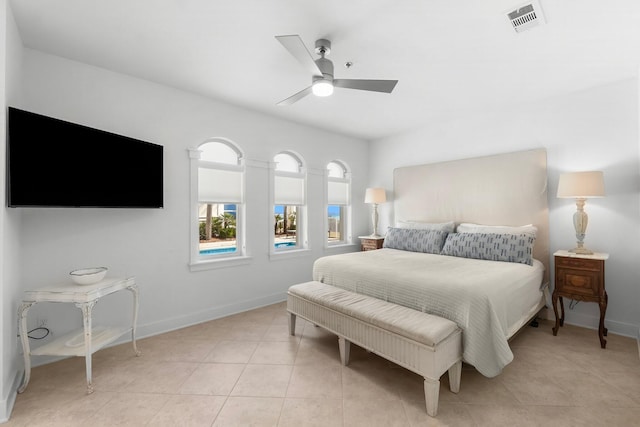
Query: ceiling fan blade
{"points": [[296, 47], [298, 96], [373, 85]]}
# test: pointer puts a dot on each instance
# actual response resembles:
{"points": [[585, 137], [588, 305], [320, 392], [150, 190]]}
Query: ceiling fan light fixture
{"points": [[322, 87]]}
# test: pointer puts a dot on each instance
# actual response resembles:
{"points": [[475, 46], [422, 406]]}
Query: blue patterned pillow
{"points": [[516, 248], [414, 240]]}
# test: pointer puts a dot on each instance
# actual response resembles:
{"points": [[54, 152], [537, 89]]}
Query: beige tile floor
{"points": [[246, 370]]}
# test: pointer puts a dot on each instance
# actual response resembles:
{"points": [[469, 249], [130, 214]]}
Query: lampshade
{"points": [[322, 87], [581, 185], [375, 195]]}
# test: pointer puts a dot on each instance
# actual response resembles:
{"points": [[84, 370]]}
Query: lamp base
{"points": [[580, 221], [375, 236], [581, 251]]}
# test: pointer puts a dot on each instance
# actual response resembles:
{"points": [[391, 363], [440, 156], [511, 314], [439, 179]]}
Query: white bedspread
{"points": [[478, 295]]}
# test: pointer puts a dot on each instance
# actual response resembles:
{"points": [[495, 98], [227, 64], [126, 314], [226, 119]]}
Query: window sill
{"points": [[288, 254], [341, 246], [211, 264]]}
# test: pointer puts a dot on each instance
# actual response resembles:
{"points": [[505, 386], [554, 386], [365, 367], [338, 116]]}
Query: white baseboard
{"points": [[167, 325], [179, 322], [592, 322], [6, 405]]}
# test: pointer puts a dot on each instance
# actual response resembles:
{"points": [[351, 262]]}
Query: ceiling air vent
{"points": [[526, 16]]}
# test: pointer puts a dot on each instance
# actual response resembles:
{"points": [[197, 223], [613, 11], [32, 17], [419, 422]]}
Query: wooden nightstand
{"points": [[368, 243], [581, 278]]}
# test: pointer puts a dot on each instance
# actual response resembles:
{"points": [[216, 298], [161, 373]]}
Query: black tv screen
{"points": [[55, 163]]}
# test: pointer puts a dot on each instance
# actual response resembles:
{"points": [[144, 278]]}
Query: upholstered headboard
{"points": [[503, 189]]}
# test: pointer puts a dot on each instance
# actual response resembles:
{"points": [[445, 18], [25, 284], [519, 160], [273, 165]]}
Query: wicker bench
{"points": [[425, 344]]}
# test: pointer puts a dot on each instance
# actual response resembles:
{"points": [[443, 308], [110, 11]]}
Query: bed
{"points": [[451, 250]]}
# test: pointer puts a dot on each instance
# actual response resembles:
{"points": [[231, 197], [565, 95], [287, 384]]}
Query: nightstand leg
{"points": [[134, 292], [606, 302], [602, 329], [554, 300], [22, 316], [87, 309]]}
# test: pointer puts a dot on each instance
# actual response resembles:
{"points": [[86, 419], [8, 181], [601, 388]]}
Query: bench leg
{"points": [[431, 395], [345, 349], [454, 376], [292, 324]]}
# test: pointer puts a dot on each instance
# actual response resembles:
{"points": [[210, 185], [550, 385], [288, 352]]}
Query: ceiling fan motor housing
{"points": [[323, 47], [326, 66]]}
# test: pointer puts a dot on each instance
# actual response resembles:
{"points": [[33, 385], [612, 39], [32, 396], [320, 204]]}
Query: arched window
{"points": [[217, 224], [289, 202], [219, 152], [338, 180]]}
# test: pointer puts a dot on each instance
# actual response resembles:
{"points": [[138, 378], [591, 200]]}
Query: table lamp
{"points": [[375, 196], [581, 186]]}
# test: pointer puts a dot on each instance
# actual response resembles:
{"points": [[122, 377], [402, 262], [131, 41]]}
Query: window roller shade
{"points": [[216, 185], [338, 193], [289, 190]]}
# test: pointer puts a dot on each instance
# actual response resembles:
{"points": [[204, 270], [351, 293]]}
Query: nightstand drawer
{"points": [[580, 263], [371, 244], [579, 282]]}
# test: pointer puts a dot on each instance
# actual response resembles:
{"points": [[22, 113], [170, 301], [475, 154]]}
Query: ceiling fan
{"points": [[322, 81]]}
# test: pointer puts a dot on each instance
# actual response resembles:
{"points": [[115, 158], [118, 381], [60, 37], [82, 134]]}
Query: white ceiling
{"points": [[450, 57]]}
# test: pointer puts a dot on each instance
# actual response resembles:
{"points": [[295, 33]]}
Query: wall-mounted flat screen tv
{"points": [[55, 163]]}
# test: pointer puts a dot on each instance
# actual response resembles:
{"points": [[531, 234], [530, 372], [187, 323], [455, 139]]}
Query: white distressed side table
{"points": [[84, 297]]}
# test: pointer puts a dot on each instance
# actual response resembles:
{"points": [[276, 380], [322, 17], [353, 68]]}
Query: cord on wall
{"points": [[44, 330]]}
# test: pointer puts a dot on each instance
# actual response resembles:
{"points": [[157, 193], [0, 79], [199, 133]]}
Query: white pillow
{"points": [[466, 227], [417, 225]]}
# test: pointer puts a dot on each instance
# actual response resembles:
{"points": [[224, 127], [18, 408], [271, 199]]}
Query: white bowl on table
{"points": [[88, 276]]}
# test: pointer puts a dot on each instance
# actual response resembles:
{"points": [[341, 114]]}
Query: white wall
{"points": [[595, 129], [10, 66], [153, 245]]}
